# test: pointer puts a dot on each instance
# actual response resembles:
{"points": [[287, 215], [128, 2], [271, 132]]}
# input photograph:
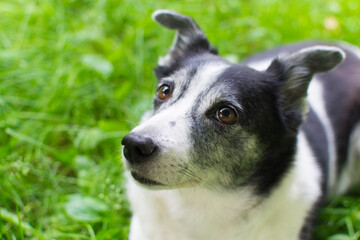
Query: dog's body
{"points": [[226, 146]]}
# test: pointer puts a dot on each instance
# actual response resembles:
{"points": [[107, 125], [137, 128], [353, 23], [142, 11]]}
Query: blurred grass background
{"points": [[75, 77]]}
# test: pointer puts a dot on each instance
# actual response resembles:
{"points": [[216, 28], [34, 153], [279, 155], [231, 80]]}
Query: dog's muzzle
{"points": [[138, 149]]}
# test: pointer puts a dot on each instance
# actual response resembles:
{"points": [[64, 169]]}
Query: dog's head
{"points": [[218, 124]]}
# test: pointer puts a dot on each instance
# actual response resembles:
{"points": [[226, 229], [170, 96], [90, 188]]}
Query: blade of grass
{"points": [[20, 223], [15, 219]]}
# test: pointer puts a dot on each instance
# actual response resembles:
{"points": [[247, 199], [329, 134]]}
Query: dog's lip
{"points": [[151, 183], [143, 180]]}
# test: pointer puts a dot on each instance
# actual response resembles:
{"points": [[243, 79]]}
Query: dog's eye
{"points": [[226, 115], [164, 92]]}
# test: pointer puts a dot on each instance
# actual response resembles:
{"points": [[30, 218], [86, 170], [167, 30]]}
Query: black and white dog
{"points": [[243, 151]]}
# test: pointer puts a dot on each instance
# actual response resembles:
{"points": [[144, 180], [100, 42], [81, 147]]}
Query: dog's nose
{"points": [[138, 149]]}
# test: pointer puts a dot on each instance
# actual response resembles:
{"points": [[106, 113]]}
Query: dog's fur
{"points": [[193, 175]]}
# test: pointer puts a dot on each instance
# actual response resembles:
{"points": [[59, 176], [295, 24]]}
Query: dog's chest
{"points": [[211, 218], [187, 214]]}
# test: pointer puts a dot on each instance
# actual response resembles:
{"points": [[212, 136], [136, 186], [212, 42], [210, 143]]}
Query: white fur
{"points": [[316, 102], [192, 213], [351, 48], [260, 65]]}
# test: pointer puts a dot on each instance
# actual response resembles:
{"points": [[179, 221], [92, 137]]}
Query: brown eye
{"points": [[226, 115], [164, 92]]}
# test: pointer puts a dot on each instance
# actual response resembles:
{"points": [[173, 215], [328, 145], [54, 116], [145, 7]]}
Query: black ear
{"points": [[189, 37], [295, 72]]}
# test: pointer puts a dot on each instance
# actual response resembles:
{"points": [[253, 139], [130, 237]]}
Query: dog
{"points": [[243, 151]]}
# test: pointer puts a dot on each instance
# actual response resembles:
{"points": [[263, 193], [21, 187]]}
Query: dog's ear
{"points": [[295, 72], [189, 37]]}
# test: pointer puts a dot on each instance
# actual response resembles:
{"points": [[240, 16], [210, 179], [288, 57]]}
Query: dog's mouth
{"points": [[157, 185], [144, 180]]}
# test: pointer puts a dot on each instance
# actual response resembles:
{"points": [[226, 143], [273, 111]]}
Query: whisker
{"points": [[189, 173]]}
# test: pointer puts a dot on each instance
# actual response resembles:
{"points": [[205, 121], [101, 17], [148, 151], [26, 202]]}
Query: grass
{"points": [[75, 77]]}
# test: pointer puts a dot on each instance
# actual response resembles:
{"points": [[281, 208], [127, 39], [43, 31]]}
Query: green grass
{"points": [[75, 76]]}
